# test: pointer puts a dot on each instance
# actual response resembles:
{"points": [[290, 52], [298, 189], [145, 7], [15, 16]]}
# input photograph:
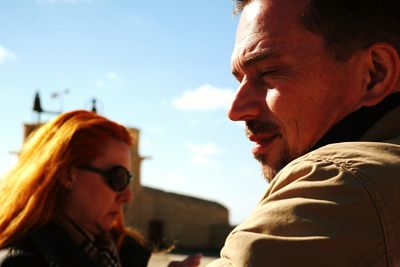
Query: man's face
{"points": [[292, 91]]}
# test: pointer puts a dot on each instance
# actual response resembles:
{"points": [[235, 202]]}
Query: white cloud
{"points": [[109, 79], [204, 98], [202, 153], [64, 1], [6, 55]]}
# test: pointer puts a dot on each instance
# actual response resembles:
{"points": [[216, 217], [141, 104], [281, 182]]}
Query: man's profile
{"points": [[319, 92]]}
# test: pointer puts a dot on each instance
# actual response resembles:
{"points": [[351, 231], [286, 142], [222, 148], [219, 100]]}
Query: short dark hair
{"points": [[348, 26], [239, 4]]}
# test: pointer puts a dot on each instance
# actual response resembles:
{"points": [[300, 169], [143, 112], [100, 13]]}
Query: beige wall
{"points": [[191, 222]]}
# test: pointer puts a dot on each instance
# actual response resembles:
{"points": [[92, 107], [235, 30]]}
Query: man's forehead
{"points": [[269, 18], [287, 8], [251, 21], [267, 27], [250, 34], [251, 10]]}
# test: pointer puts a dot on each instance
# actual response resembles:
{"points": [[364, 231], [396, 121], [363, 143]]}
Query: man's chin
{"points": [[275, 160], [270, 170], [266, 169]]}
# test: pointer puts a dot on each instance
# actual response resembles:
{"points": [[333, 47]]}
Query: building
{"points": [[166, 218]]}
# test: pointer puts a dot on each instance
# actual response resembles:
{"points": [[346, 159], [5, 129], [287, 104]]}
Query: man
{"points": [[319, 93]]}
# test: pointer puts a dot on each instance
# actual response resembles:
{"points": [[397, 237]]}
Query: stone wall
{"points": [[167, 218]]}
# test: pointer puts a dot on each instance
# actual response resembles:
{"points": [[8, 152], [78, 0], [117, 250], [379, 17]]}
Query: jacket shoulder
{"points": [[367, 162], [21, 255], [328, 201], [353, 154]]}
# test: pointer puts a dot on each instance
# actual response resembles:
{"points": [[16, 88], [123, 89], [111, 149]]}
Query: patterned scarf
{"points": [[101, 250]]}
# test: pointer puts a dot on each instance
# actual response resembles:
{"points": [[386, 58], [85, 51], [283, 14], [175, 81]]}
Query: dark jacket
{"points": [[52, 247]]}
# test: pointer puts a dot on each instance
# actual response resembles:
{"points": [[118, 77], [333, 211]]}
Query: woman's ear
{"points": [[68, 179], [382, 73]]}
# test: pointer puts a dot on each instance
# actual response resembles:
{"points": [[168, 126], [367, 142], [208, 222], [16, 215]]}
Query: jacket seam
{"points": [[373, 198]]}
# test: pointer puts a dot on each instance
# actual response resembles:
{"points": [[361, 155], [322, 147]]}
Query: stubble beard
{"points": [[270, 170]]}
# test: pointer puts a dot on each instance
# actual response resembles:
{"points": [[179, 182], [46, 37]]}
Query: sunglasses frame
{"points": [[107, 175]]}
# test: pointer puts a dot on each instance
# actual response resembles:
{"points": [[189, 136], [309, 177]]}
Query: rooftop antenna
{"points": [[94, 105], [37, 107], [60, 94]]}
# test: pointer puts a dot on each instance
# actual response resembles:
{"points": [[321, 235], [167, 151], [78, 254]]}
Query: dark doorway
{"points": [[156, 232]]}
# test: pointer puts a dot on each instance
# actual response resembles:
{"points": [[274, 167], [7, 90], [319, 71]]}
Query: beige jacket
{"points": [[335, 206]]}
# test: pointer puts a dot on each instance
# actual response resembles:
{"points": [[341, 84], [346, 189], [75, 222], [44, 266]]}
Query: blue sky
{"points": [[160, 66]]}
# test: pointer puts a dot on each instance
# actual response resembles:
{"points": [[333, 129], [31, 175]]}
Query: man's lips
{"points": [[261, 138], [261, 141]]}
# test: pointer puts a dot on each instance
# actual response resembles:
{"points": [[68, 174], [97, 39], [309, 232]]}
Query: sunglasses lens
{"points": [[119, 178]]}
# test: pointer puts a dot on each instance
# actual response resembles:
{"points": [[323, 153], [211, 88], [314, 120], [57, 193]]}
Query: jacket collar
{"points": [[375, 123]]}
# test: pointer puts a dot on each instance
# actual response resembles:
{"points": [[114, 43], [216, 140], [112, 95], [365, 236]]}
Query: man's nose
{"points": [[246, 104]]}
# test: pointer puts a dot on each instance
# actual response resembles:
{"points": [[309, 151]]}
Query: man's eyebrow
{"points": [[255, 58], [259, 56]]}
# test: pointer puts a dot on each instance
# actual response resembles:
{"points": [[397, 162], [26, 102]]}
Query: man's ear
{"points": [[382, 73]]}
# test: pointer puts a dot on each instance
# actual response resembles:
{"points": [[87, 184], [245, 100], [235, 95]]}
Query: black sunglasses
{"points": [[117, 177]]}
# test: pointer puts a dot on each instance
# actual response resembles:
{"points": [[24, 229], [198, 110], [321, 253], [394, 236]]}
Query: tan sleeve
{"points": [[315, 213]]}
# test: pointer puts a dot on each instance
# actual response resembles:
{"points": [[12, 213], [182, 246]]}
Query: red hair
{"points": [[29, 193]]}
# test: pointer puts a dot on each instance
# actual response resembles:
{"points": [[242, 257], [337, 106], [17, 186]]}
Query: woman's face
{"points": [[91, 202]]}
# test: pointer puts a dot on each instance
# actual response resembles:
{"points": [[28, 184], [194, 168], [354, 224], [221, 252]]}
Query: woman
{"points": [[62, 203]]}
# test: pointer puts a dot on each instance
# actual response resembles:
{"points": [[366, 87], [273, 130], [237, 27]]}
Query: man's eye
{"points": [[267, 73]]}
